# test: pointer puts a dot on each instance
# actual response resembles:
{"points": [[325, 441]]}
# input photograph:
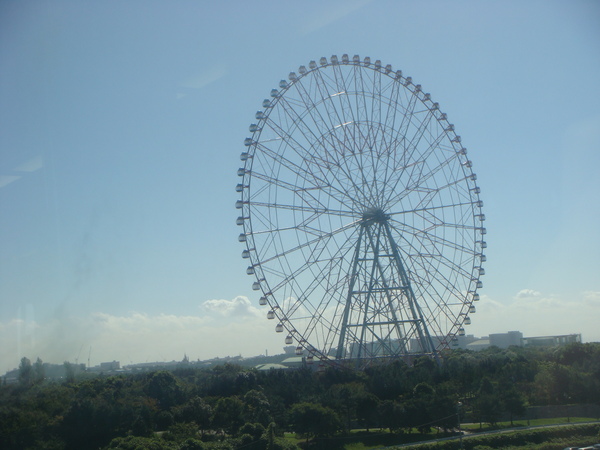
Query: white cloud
{"points": [[239, 306], [228, 328], [592, 296], [527, 293]]}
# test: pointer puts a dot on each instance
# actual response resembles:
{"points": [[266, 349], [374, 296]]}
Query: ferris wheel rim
{"points": [[272, 210]]}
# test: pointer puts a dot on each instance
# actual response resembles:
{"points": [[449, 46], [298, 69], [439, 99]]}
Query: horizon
{"points": [[267, 355]]}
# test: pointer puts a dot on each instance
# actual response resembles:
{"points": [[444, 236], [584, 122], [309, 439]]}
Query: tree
{"points": [[342, 398], [314, 420], [367, 412], [257, 407], [419, 407], [164, 388], [39, 372], [269, 436], [228, 414], [69, 372], [487, 405], [181, 432], [391, 415], [486, 409], [25, 371], [512, 402], [195, 410]]}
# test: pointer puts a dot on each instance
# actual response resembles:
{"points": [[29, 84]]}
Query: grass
{"points": [[291, 437], [360, 439], [474, 427]]}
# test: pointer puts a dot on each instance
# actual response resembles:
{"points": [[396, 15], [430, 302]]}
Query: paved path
{"points": [[467, 435]]}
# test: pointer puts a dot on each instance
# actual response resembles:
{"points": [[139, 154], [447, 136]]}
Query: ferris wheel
{"points": [[360, 215]]}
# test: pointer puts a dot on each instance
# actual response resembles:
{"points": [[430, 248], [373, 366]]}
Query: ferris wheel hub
{"points": [[377, 215]]}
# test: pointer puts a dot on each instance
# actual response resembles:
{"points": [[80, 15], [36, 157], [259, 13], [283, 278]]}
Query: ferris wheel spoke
{"points": [[413, 144], [366, 146], [361, 101], [309, 243], [326, 299], [326, 186], [407, 117], [440, 310], [443, 260], [418, 233], [421, 180], [390, 165], [392, 106], [453, 267], [341, 122], [362, 117], [325, 165], [431, 208], [436, 240], [298, 120], [376, 102], [287, 137], [320, 308], [306, 175], [311, 209], [413, 147], [272, 181], [289, 278], [344, 95], [320, 322], [335, 120], [300, 124], [433, 289], [314, 111], [419, 163]]}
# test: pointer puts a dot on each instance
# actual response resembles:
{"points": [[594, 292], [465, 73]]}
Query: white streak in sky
{"points": [[31, 166], [205, 78], [7, 179], [331, 13]]}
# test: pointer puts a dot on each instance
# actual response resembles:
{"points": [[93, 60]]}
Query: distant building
{"points": [[108, 366], [551, 341], [415, 344], [478, 344], [272, 366], [289, 350], [513, 338], [505, 340], [465, 341]]}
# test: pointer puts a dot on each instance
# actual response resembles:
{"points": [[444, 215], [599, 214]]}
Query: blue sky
{"points": [[121, 125]]}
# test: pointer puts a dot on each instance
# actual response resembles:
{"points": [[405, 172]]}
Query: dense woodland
{"points": [[229, 406]]}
